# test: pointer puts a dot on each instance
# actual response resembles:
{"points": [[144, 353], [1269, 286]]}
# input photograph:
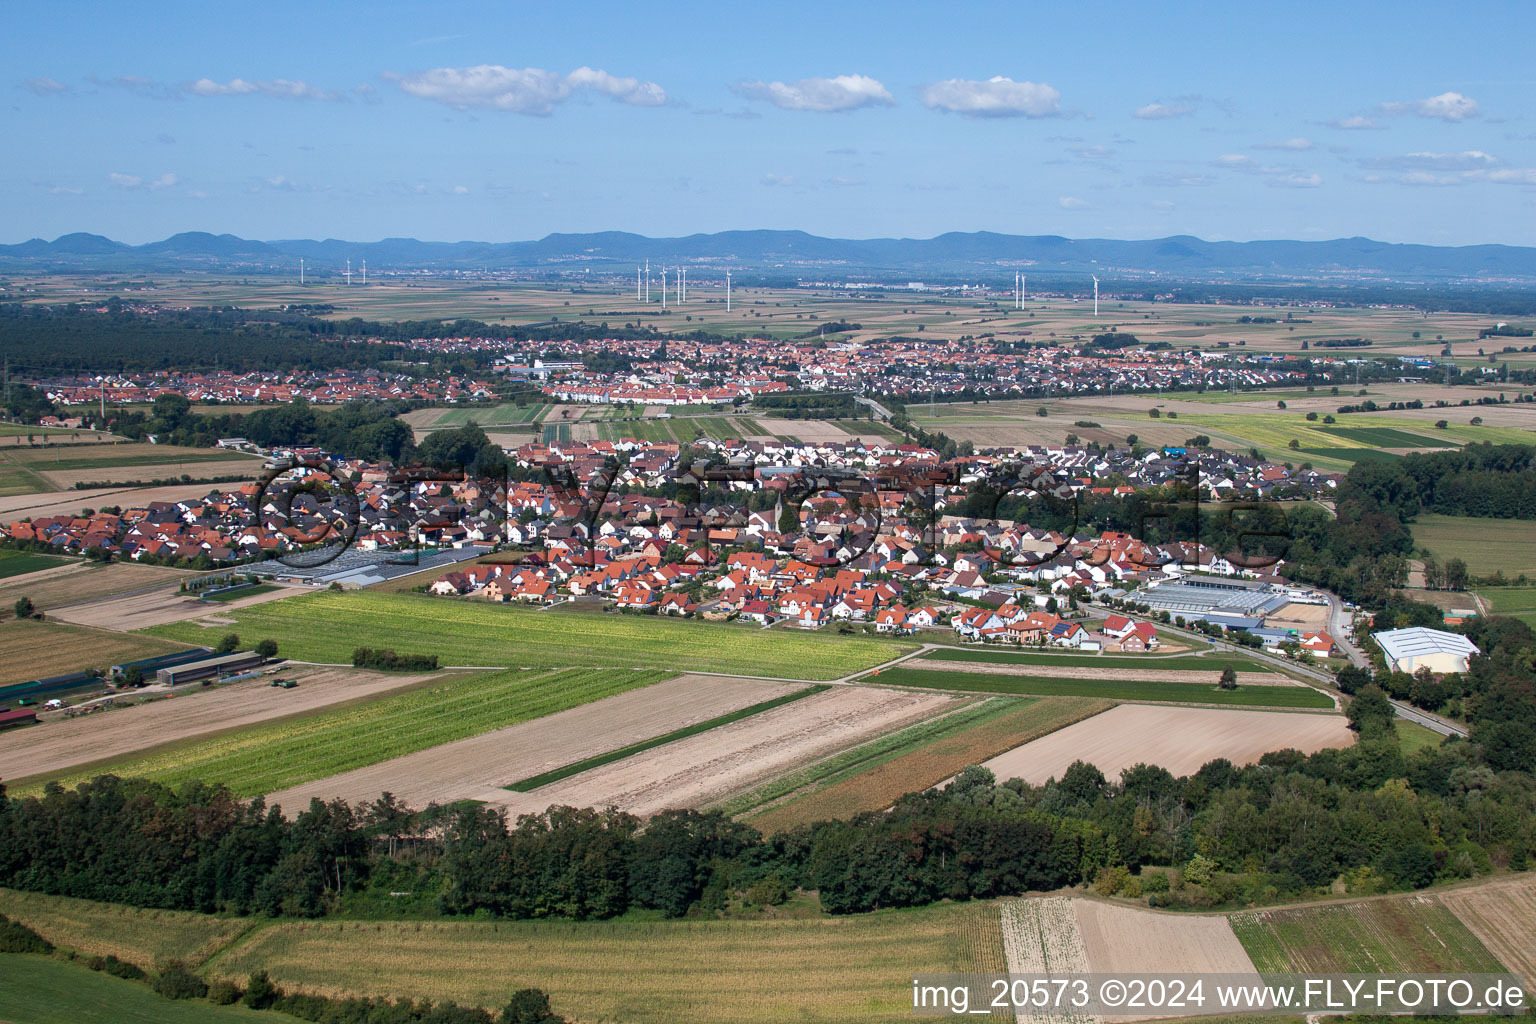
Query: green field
{"points": [[1486, 545], [1516, 602], [42, 990], [242, 593], [586, 764], [1384, 437], [1173, 662], [1109, 689], [266, 758], [505, 414], [557, 433], [143, 937], [327, 627], [1413, 737], [1392, 936], [1345, 455], [682, 429], [19, 563], [170, 460]]}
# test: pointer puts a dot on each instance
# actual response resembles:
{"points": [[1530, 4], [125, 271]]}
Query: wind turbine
{"points": [[637, 284], [301, 272], [349, 271], [727, 291], [647, 280], [365, 273], [1095, 296], [663, 287]]}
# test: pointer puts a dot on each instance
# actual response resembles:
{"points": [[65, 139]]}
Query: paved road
{"points": [[880, 410]]}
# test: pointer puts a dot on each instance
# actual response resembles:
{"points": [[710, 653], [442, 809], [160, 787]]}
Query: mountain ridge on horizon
{"points": [[781, 253]]}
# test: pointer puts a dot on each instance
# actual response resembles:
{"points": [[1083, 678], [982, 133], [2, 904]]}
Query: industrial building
{"points": [[1214, 599], [1409, 650]]}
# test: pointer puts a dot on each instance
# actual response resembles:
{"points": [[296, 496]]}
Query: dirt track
{"points": [[470, 768], [59, 745], [710, 766], [1139, 675], [1176, 738]]}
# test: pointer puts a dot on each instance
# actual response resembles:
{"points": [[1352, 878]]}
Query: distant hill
{"points": [[955, 256]]}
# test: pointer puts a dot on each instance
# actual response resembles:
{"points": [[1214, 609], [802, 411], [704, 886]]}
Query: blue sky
{"points": [[503, 121]]}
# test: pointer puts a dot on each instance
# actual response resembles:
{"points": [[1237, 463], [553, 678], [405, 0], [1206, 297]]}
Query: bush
{"points": [[769, 892], [260, 993], [267, 649], [115, 967], [1110, 880], [228, 642], [388, 661], [16, 937], [178, 982], [224, 993], [23, 607], [529, 1006]]}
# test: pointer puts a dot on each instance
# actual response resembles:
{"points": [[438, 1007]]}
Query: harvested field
{"points": [[1040, 936], [129, 728], [39, 504], [140, 611], [1149, 674], [144, 937], [169, 469], [34, 650], [86, 581], [822, 969], [713, 765], [876, 782], [1502, 914], [973, 681], [1178, 739], [468, 768], [1389, 936], [1129, 940], [805, 430], [277, 755]]}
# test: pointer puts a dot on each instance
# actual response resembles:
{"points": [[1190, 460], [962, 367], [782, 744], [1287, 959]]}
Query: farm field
{"points": [[20, 563], [1131, 940], [1387, 936], [670, 972], [1139, 674], [1048, 659], [1108, 689], [140, 610], [40, 502], [873, 776], [61, 467], [1502, 914], [471, 767], [270, 757], [1178, 739], [1486, 545], [42, 990], [1412, 737], [130, 728], [35, 650], [494, 415], [75, 581], [1518, 602], [477, 633], [715, 765], [140, 936]]}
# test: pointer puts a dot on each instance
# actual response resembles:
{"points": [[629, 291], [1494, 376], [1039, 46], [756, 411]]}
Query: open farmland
{"points": [[1047, 660], [1178, 739], [1143, 673], [327, 627], [1133, 940], [1383, 936], [141, 610], [1516, 602], [714, 765], [873, 776], [1486, 545], [1108, 689], [640, 972], [1502, 914], [103, 736], [143, 937], [269, 757], [44, 990], [470, 768], [75, 581], [20, 563], [61, 467], [34, 650]]}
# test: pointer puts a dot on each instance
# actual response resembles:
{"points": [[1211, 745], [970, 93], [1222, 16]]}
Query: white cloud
{"points": [[822, 95], [1356, 122], [1295, 145], [164, 181], [1071, 203], [47, 86], [996, 97], [1160, 111], [1236, 161], [1172, 179], [771, 179], [460, 190], [532, 91], [65, 190], [1093, 152], [279, 88], [1469, 160], [125, 180], [1510, 176], [1295, 180], [625, 90], [1448, 106]]}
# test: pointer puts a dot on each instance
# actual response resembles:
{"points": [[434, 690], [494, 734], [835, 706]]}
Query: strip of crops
{"points": [[272, 757], [326, 627], [1381, 936], [1214, 663], [1111, 689], [597, 761]]}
